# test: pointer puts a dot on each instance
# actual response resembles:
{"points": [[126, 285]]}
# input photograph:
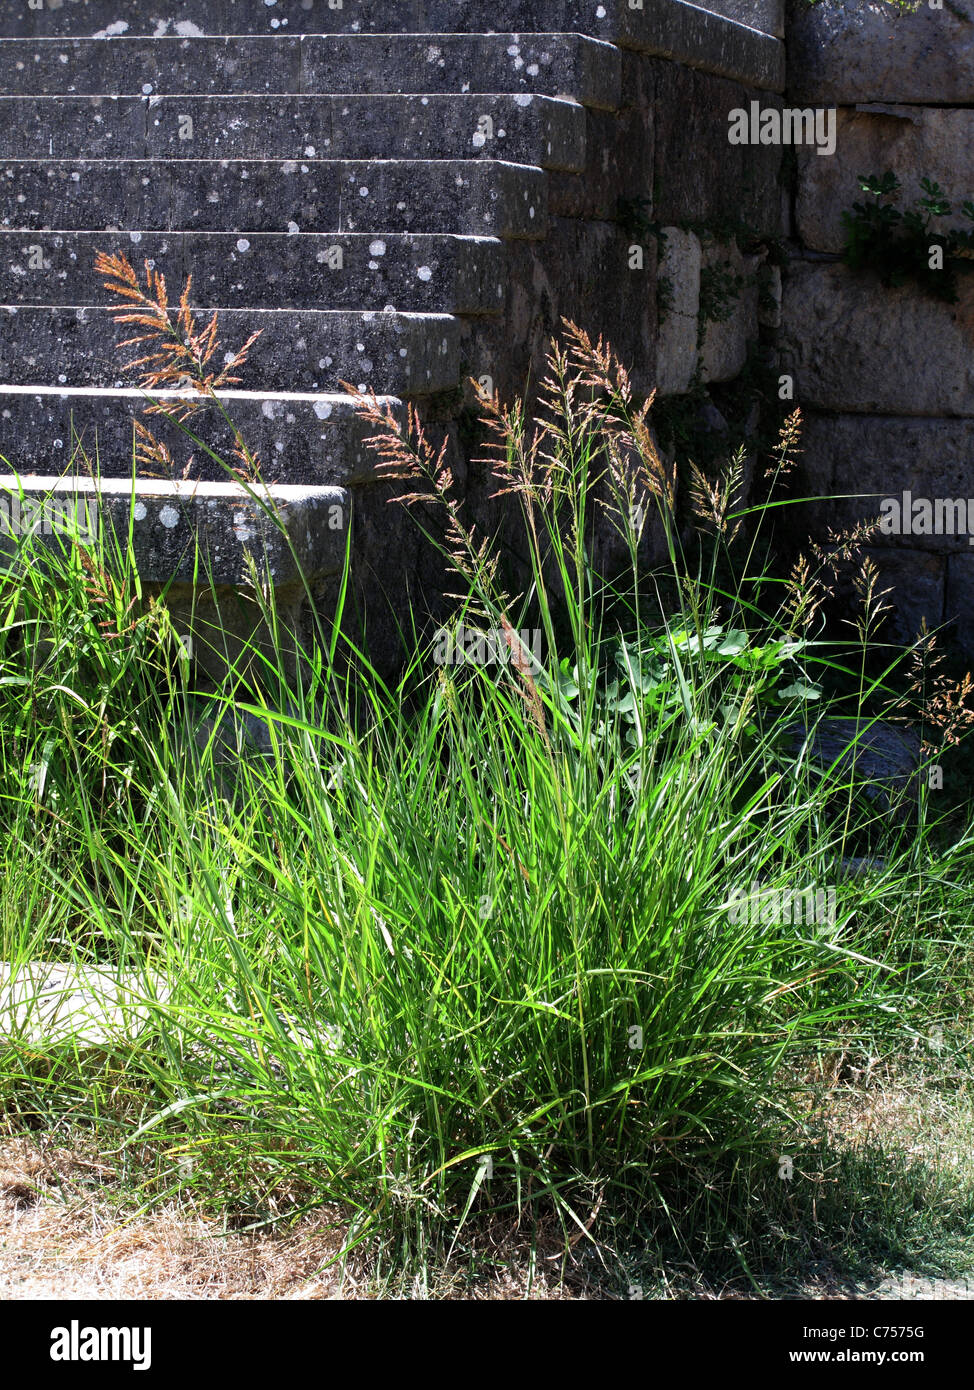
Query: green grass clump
{"points": [[469, 943]]}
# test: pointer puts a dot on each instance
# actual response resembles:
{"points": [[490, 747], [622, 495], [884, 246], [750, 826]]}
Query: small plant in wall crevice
{"points": [[903, 246], [720, 290]]}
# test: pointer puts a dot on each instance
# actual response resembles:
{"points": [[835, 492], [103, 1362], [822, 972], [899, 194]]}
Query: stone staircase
{"points": [[351, 177]]}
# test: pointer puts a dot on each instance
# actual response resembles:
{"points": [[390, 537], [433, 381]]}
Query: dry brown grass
{"points": [[924, 1112], [68, 1230]]}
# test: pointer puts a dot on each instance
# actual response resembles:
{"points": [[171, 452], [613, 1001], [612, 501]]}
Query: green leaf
{"points": [[733, 644], [801, 690]]}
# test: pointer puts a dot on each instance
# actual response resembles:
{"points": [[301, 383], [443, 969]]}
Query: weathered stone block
{"points": [[725, 338], [679, 273], [79, 67], [485, 198], [886, 455], [916, 581], [340, 270], [700, 177], [555, 64], [959, 600], [768, 16], [854, 463], [685, 32], [314, 440], [881, 759], [605, 293], [844, 51], [618, 165], [195, 543], [525, 129], [62, 127], [289, 530], [563, 65], [854, 345], [699, 38]]}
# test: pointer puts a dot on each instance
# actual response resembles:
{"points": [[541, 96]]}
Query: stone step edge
{"points": [[184, 530], [134, 233], [326, 404], [588, 45], [432, 338], [468, 281], [54, 429], [135, 392], [519, 184]]}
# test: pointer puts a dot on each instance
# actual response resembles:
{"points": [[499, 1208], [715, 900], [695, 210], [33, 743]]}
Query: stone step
{"points": [[193, 18], [671, 28], [312, 350], [197, 544], [470, 197], [436, 274], [225, 518], [310, 439], [43, 1004], [767, 16], [530, 130], [567, 65]]}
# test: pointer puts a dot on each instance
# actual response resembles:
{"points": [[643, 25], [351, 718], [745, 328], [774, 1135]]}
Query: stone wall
{"points": [[885, 374]]}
